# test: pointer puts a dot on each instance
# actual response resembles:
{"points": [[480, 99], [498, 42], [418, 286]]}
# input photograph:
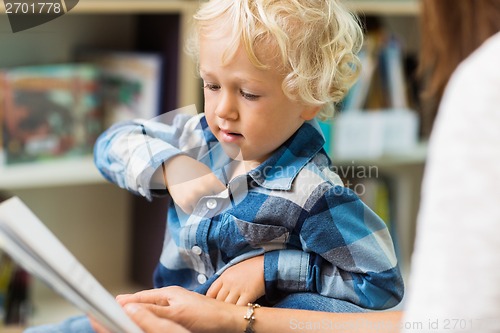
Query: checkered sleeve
{"points": [[128, 153], [347, 254]]}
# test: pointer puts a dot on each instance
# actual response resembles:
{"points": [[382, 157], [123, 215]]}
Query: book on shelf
{"points": [[2, 151], [49, 111], [393, 74], [33, 246], [6, 273], [382, 82], [358, 94], [168, 48], [376, 118], [15, 305], [130, 83], [15, 283]]}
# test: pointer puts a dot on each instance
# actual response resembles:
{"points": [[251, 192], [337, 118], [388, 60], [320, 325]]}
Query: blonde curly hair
{"points": [[316, 42]]}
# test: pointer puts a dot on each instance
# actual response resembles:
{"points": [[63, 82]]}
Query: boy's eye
{"points": [[250, 97], [211, 86]]}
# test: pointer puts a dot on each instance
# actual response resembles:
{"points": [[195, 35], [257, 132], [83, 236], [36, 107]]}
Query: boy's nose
{"points": [[226, 107]]}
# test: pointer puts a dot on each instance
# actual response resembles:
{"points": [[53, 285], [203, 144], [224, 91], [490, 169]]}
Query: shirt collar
{"points": [[279, 170]]}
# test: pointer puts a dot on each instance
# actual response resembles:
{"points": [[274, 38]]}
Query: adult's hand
{"points": [[146, 320], [195, 312]]}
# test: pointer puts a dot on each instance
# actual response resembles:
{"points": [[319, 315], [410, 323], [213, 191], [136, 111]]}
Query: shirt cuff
{"points": [[285, 271]]}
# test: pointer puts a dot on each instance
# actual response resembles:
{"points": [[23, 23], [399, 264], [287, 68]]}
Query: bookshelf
{"points": [[61, 191], [41, 175], [90, 216], [404, 170]]}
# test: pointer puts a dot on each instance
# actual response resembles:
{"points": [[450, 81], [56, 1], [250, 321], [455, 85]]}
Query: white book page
{"points": [[26, 239]]}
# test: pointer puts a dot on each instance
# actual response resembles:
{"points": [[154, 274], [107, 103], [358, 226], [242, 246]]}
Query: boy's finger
{"points": [[232, 298], [222, 295], [242, 300], [214, 289]]}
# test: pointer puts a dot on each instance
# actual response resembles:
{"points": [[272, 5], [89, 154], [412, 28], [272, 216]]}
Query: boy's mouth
{"points": [[229, 136]]}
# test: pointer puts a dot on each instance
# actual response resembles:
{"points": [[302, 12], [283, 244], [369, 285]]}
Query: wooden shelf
{"points": [[381, 7], [415, 156], [133, 7], [62, 172], [385, 7]]}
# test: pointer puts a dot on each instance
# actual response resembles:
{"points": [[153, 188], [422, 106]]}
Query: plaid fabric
{"points": [[316, 235]]}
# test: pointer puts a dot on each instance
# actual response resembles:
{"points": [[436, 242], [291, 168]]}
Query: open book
{"points": [[26, 239]]}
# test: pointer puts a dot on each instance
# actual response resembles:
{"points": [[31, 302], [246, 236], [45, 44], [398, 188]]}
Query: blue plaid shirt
{"points": [[316, 235]]}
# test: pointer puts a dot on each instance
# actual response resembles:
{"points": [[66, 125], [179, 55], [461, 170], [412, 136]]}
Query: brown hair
{"points": [[451, 31]]}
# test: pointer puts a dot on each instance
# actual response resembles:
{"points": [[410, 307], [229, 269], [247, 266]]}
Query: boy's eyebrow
{"points": [[245, 79], [202, 72]]}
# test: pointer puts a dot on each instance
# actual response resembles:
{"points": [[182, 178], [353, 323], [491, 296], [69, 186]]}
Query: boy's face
{"points": [[245, 106]]}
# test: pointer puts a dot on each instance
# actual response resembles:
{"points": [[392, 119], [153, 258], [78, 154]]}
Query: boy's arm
{"points": [[347, 254], [187, 181], [130, 154]]}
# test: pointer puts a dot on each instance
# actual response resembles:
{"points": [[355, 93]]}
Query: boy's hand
{"points": [[188, 180], [240, 284]]}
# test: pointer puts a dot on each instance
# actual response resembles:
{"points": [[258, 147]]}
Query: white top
{"points": [[455, 278]]}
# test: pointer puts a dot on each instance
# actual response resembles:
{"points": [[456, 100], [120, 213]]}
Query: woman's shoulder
{"points": [[481, 65]]}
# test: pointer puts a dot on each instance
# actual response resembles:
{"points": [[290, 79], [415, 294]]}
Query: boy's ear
{"points": [[310, 112]]}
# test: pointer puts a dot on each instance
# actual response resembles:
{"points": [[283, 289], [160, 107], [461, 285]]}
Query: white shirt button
{"points": [[202, 279], [211, 203], [196, 250]]}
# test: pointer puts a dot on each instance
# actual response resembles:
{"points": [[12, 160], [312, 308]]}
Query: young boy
{"points": [[260, 214], [268, 69]]}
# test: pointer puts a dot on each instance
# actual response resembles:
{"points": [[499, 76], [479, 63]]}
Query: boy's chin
{"points": [[233, 151]]}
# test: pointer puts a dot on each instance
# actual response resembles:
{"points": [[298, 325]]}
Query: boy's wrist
{"points": [[158, 181]]}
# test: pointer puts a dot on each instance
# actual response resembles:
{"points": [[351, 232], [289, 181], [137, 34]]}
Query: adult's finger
{"points": [[96, 326], [150, 296], [150, 323]]}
